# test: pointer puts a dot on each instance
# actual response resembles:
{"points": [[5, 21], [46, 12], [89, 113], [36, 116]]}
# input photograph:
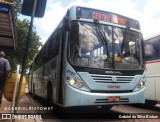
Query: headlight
{"points": [[76, 83], [141, 84], [73, 81]]}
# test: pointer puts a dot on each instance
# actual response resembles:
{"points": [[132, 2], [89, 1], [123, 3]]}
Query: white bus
{"points": [[152, 56], [88, 61]]}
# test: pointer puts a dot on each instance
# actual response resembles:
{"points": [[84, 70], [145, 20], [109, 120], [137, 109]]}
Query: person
{"points": [[4, 71]]}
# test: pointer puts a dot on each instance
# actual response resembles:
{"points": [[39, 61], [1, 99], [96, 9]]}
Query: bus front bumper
{"points": [[76, 97]]}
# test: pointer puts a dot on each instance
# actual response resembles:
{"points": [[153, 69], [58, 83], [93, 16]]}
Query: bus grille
{"points": [[111, 79], [122, 100]]}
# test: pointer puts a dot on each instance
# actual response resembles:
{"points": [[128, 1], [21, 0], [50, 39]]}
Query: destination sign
{"points": [[4, 8], [107, 17]]}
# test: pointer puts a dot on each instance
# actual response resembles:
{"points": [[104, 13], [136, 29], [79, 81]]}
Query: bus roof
{"points": [[152, 36]]}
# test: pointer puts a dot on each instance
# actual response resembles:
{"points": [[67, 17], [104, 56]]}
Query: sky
{"points": [[147, 12]]}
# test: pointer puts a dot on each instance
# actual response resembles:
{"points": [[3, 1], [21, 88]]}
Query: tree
{"points": [[22, 27], [16, 57], [17, 6]]}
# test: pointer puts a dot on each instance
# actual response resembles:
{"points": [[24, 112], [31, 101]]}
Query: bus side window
{"points": [[159, 50], [45, 54], [149, 51], [54, 46], [41, 56], [152, 48], [158, 46], [50, 48]]}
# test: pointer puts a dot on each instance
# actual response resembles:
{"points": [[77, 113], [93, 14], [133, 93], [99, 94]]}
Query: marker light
{"points": [[72, 81], [80, 84], [139, 86], [68, 78]]}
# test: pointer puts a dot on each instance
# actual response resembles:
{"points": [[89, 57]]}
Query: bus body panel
{"points": [[51, 74], [152, 56], [158, 89], [39, 83], [153, 80], [97, 93], [45, 74], [82, 98]]}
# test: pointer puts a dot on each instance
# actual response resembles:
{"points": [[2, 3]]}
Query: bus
{"points": [[152, 56], [92, 58]]}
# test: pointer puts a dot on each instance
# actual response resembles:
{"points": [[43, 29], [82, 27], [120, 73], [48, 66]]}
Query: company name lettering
{"points": [[114, 87], [113, 72]]}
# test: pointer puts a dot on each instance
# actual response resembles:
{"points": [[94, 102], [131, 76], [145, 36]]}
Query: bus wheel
{"points": [[33, 93], [29, 92], [49, 94], [106, 107], [56, 108]]}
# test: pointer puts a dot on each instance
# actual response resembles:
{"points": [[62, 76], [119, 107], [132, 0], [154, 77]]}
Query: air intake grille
{"points": [[110, 79]]}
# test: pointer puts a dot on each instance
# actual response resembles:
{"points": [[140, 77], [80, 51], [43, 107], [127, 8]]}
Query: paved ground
{"points": [[27, 102], [6, 109]]}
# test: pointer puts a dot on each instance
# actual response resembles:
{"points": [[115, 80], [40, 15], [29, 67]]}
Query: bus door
{"points": [[62, 35], [60, 67], [30, 82]]}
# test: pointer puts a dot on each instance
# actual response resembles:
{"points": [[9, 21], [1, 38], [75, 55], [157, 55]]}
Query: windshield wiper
{"points": [[101, 33]]}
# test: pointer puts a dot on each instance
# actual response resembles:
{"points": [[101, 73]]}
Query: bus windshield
{"points": [[121, 49]]}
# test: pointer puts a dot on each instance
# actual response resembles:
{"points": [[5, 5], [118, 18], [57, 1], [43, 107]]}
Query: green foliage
{"points": [[17, 6], [22, 27], [16, 57]]}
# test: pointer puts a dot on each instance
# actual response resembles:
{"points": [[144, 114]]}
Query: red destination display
{"points": [[106, 16]]}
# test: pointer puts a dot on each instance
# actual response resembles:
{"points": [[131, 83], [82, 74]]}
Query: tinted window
{"points": [[48, 51], [152, 48]]}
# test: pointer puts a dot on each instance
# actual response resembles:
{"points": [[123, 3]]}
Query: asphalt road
{"points": [[118, 113], [37, 111]]}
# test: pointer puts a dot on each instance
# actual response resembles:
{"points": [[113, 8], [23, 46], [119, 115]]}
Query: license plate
{"points": [[113, 99]]}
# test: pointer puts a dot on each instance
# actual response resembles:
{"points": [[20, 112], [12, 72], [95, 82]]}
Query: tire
{"points": [[29, 92], [150, 102], [56, 108], [106, 107], [49, 95], [33, 92]]}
